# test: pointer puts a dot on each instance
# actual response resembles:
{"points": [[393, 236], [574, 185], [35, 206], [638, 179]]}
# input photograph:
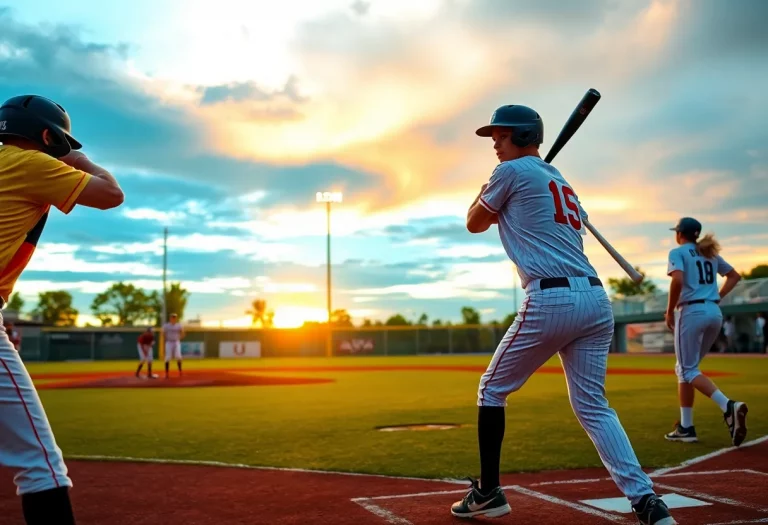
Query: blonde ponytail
{"points": [[708, 246]]}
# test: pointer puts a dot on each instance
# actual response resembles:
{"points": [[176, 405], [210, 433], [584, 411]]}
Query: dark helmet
{"points": [[526, 125], [688, 226], [27, 116]]}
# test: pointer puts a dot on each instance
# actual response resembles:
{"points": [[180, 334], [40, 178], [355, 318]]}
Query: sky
{"points": [[221, 122]]}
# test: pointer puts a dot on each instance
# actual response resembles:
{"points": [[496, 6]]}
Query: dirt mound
{"points": [[207, 378]]}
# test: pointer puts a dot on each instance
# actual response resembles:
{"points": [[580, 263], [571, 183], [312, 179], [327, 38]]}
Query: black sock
{"points": [[47, 507], [490, 434], [139, 369], [149, 369], [178, 363], [166, 368]]}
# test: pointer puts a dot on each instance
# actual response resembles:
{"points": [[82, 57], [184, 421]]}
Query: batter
{"points": [[695, 317], [566, 311], [39, 168]]}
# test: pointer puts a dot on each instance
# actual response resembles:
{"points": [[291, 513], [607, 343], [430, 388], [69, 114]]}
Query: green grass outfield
{"points": [[331, 426]]}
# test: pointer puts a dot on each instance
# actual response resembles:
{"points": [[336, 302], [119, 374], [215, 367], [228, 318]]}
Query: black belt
{"points": [[700, 301], [562, 282]]}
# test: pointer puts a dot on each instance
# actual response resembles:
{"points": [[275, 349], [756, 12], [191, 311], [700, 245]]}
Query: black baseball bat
{"points": [[574, 122]]}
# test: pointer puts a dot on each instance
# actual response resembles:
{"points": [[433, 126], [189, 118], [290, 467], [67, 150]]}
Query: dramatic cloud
{"points": [[225, 144]]}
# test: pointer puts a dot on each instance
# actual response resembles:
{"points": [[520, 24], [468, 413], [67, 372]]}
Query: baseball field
{"points": [[307, 415]]}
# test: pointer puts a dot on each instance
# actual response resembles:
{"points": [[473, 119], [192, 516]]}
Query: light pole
{"points": [[165, 271], [328, 197], [164, 313]]}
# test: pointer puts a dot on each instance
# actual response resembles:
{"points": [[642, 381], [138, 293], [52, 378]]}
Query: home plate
{"points": [[673, 501]]}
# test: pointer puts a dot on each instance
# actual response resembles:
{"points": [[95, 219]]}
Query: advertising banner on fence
{"points": [[355, 346], [192, 349], [236, 349]]}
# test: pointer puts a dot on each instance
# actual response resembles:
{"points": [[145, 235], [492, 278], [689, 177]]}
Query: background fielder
{"points": [[173, 333], [144, 345], [694, 315], [566, 311]]}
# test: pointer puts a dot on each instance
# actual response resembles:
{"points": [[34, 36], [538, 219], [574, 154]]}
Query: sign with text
{"points": [[355, 346], [236, 349]]}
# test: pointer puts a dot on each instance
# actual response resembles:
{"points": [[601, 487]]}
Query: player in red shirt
{"points": [[146, 340]]}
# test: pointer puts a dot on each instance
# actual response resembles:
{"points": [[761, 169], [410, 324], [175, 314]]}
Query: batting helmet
{"points": [[526, 125], [688, 226], [27, 116]]}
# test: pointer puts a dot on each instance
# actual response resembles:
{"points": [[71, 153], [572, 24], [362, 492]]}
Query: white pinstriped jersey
{"points": [[540, 220], [699, 273]]}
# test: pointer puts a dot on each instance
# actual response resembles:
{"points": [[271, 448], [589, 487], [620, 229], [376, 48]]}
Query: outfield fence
{"points": [[97, 344]]}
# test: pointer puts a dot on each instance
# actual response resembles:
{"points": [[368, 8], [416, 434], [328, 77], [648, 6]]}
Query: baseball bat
{"points": [[574, 122]]}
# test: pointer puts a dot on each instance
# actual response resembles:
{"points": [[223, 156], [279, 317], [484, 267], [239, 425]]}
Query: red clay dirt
{"points": [[134, 493], [241, 377], [196, 378]]}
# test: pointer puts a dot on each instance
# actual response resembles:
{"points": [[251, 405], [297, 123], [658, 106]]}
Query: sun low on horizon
{"points": [[286, 316]]}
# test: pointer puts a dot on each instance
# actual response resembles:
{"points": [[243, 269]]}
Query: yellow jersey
{"points": [[30, 183]]}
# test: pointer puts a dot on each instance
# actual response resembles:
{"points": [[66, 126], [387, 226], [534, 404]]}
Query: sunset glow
{"points": [[228, 145]]}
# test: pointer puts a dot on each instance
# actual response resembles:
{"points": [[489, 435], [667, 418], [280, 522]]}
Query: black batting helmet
{"points": [[526, 125], [27, 116]]}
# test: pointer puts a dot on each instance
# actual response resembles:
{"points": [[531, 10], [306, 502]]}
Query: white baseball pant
{"points": [[145, 353], [697, 326], [27, 444], [576, 323], [172, 350]]}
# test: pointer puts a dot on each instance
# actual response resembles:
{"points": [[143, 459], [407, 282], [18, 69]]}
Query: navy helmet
{"points": [[27, 116], [688, 226], [525, 123]]}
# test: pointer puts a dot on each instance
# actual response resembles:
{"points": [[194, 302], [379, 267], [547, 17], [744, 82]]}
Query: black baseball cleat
{"points": [[682, 434], [475, 503], [735, 417], [653, 511]]}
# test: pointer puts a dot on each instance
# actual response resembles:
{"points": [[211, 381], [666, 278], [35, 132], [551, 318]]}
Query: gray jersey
{"points": [[540, 220], [699, 273]]}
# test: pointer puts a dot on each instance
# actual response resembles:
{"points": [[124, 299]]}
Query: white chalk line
{"points": [[416, 494], [669, 472], [571, 505], [394, 519], [741, 522], [670, 475], [389, 517], [205, 463], [563, 482], [708, 497], [714, 454]]}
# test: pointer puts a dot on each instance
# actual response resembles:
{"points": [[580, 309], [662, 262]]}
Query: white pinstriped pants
{"points": [[577, 324], [27, 444], [696, 329]]}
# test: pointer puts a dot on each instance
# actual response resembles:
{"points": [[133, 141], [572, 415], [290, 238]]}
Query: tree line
{"points": [[123, 304]]}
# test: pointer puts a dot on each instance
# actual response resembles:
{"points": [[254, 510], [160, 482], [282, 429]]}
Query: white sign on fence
{"points": [[235, 349]]}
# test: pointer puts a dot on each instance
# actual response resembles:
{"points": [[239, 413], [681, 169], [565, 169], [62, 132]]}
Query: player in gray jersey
{"points": [[694, 315], [566, 311]]}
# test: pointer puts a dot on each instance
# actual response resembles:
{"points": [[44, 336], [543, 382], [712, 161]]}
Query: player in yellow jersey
{"points": [[40, 167]]}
